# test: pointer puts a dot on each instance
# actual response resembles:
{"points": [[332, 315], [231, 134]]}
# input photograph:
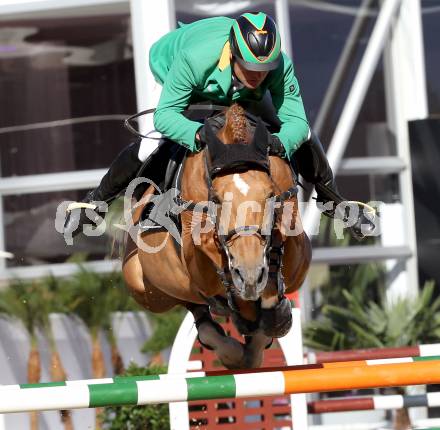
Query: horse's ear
{"points": [[260, 140], [215, 145]]}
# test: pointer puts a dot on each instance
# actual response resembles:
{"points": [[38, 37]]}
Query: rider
{"points": [[223, 60]]}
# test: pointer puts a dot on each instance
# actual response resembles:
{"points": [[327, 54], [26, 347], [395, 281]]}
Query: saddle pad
{"points": [[162, 213]]}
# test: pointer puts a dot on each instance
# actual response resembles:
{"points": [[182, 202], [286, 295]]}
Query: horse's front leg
{"points": [[276, 313], [211, 335]]}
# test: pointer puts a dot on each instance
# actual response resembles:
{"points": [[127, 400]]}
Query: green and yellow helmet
{"points": [[255, 42]]}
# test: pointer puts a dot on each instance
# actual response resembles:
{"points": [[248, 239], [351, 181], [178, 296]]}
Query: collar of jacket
{"points": [[222, 73]]}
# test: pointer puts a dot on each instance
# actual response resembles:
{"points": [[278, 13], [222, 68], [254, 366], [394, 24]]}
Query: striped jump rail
{"points": [[198, 374], [374, 403], [373, 353], [154, 389]]}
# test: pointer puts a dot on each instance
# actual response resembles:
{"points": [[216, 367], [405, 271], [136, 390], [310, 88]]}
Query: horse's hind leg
{"points": [[211, 335]]}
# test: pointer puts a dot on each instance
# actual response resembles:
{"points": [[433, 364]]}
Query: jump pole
{"points": [[153, 391], [425, 350], [198, 374], [369, 403]]}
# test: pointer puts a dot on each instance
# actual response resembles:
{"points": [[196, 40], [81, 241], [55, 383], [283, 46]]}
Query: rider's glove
{"points": [[276, 147]]}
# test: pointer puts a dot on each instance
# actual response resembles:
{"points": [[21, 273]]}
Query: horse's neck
{"points": [[198, 263], [281, 174], [194, 186]]}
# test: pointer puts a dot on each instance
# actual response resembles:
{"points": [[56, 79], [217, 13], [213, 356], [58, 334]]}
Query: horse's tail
{"points": [[115, 220]]}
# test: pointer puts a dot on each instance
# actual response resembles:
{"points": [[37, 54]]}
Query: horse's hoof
{"points": [[212, 337], [276, 321], [253, 360], [244, 326], [254, 350], [232, 354]]}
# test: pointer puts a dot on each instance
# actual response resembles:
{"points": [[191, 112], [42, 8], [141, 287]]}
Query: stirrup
{"points": [[80, 205]]}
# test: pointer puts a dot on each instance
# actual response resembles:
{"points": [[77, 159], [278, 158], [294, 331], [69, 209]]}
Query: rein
{"points": [[199, 107]]}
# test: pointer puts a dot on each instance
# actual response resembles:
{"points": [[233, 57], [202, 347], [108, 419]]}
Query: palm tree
{"points": [[23, 301], [98, 296], [58, 300], [117, 300], [351, 311], [358, 322]]}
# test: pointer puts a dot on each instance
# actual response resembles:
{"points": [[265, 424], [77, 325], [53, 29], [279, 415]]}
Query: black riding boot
{"points": [[313, 166], [121, 172]]}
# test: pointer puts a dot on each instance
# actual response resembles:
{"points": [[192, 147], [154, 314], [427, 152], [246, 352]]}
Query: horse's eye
{"points": [[215, 200]]}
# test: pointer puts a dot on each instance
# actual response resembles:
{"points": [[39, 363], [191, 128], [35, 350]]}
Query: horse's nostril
{"points": [[260, 278], [238, 273]]}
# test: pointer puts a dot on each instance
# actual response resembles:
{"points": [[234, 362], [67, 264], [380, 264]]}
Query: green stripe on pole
{"points": [[44, 385], [211, 387], [128, 379], [113, 394], [430, 428], [427, 358]]}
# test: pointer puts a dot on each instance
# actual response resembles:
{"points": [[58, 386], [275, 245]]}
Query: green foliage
{"points": [[60, 297], [151, 417], [25, 301], [364, 282], [97, 296], [165, 329], [361, 323], [91, 296]]}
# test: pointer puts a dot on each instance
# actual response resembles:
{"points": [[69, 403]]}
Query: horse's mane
{"points": [[236, 128]]}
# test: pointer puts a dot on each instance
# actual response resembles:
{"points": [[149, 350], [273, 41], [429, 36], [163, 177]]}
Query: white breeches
{"points": [[146, 126]]}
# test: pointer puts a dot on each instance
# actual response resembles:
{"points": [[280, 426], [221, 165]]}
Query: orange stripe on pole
{"points": [[347, 378]]}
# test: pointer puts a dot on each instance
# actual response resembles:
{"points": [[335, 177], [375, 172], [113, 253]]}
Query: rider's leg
{"points": [[121, 172], [123, 169], [312, 164]]}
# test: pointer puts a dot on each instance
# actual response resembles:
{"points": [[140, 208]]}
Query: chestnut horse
{"points": [[241, 249]]}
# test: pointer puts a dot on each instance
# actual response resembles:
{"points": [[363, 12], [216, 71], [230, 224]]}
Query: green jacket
{"points": [[192, 63]]}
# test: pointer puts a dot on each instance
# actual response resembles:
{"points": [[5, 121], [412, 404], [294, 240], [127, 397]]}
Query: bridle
{"points": [[269, 235], [272, 238]]}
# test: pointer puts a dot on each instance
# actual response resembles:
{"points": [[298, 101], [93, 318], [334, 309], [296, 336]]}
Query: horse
{"points": [[235, 258]]}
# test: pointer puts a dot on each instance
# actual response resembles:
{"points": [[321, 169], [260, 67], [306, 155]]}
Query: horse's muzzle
{"points": [[250, 282]]}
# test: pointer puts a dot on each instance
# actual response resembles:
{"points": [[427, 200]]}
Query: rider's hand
{"points": [[216, 123], [276, 147], [200, 137]]}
